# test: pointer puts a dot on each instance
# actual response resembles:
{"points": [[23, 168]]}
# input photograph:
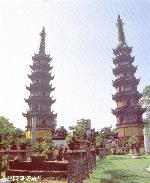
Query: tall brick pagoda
{"points": [[128, 112], [41, 120]]}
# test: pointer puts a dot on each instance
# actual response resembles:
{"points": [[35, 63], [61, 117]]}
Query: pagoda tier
{"points": [[124, 69], [40, 87], [41, 57], [40, 118], [123, 59], [43, 66], [41, 75], [128, 112], [126, 80], [40, 114], [40, 100], [134, 95]]}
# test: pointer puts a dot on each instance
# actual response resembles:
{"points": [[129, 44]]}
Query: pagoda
{"points": [[41, 120], [128, 112]]}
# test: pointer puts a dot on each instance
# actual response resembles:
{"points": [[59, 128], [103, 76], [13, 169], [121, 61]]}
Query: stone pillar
{"points": [[146, 133], [33, 130]]}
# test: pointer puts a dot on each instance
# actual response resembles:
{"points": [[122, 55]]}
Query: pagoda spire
{"points": [[121, 36], [42, 42]]}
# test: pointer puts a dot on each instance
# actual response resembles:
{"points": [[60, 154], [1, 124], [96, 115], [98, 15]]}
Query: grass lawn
{"points": [[121, 169]]}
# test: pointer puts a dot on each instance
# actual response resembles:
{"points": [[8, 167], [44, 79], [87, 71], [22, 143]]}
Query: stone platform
{"points": [[38, 168], [76, 168]]}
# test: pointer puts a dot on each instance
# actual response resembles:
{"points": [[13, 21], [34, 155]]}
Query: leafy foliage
{"points": [[108, 132], [105, 134], [41, 148], [145, 102], [46, 145], [133, 140], [80, 130], [9, 133], [99, 139], [69, 137]]}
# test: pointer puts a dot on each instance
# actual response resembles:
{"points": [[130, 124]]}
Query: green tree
{"points": [[69, 137], [99, 139], [79, 130], [133, 141], [46, 145], [108, 132], [145, 102], [8, 132], [104, 134]]}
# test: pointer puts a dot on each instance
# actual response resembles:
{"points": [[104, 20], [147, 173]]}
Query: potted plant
{"points": [[73, 144], [46, 148], [133, 143], [22, 144], [34, 151], [69, 140], [42, 150], [13, 145]]}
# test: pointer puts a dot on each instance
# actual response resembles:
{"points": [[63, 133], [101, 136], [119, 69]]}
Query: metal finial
{"points": [[42, 42], [121, 36]]}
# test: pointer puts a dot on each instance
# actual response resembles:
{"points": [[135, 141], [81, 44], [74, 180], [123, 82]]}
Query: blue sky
{"points": [[80, 38]]}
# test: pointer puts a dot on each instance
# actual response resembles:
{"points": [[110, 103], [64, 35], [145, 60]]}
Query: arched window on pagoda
{"points": [[131, 118], [35, 107], [44, 122], [120, 88], [121, 119], [120, 103], [139, 118], [125, 74], [128, 102]]}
